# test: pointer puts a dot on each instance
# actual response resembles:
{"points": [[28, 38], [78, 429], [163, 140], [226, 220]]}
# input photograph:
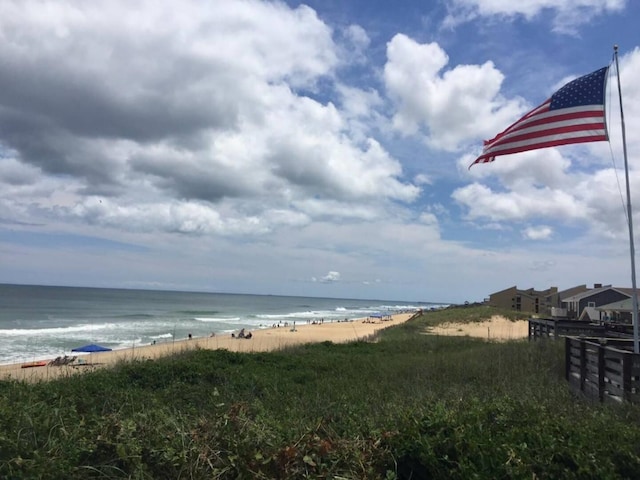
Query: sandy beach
{"points": [[262, 340], [498, 328]]}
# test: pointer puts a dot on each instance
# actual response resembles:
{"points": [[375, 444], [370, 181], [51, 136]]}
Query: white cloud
{"points": [[188, 120], [428, 218], [330, 277], [498, 206], [454, 106], [540, 232], [422, 179], [528, 170], [568, 14], [357, 41]]}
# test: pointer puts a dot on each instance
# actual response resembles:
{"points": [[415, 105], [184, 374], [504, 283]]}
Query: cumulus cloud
{"points": [[567, 14], [540, 232], [498, 206], [356, 42], [452, 106], [330, 277], [546, 167], [188, 120], [595, 201]]}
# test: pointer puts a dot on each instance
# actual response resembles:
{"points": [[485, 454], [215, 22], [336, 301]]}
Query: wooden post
{"points": [[627, 366], [567, 358], [601, 349], [583, 364]]}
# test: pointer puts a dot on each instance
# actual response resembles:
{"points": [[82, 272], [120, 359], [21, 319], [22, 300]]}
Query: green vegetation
{"points": [[407, 406]]}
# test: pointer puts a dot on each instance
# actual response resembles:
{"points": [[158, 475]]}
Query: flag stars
{"points": [[587, 90]]}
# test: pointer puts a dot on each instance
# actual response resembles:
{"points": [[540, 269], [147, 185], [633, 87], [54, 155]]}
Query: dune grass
{"points": [[407, 406]]}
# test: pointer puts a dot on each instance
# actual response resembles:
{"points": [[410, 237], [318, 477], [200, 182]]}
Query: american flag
{"points": [[573, 114]]}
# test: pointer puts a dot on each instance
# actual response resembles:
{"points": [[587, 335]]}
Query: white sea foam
{"points": [[217, 319], [162, 335], [307, 314], [55, 331], [134, 342]]}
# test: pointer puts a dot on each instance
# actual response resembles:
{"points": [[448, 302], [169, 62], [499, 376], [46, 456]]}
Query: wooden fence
{"points": [[602, 369], [542, 328]]}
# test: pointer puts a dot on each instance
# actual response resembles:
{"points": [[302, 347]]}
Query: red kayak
{"points": [[34, 364]]}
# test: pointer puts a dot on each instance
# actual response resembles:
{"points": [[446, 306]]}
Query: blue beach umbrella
{"points": [[91, 348]]}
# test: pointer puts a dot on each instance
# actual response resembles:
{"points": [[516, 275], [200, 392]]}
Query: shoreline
{"points": [[262, 340]]}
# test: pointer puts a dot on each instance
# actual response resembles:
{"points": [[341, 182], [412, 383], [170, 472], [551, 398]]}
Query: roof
{"points": [[569, 292], [628, 291], [625, 305], [505, 290], [595, 291], [528, 292], [591, 312]]}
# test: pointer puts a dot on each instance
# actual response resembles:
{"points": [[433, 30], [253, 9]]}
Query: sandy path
{"points": [[498, 329], [261, 341]]}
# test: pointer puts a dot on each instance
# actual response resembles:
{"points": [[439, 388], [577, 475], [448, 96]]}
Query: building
{"points": [[617, 312], [583, 305], [560, 311], [530, 300], [575, 303]]}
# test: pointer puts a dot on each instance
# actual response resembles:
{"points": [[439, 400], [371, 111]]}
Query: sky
{"points": [[314, 148]]}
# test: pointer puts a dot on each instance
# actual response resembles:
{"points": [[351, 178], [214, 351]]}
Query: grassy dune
{"points": [[407, 406]]}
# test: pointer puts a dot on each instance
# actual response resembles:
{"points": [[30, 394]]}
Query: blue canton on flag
{"points": [[587, 90]]}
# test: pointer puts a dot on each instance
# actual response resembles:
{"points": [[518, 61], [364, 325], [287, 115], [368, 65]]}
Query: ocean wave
{"points": [[308, 314], [20, 332], [217, 319], [339, 312], [120, 344], [162, 335], [391, 309], [199, 312]]}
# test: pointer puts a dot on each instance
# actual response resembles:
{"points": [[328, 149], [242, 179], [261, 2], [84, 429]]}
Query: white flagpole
{"points": [[636, 345]]}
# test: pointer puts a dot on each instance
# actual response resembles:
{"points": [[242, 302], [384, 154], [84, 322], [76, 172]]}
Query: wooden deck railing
{"points": [[542, 328], [602, 369]]}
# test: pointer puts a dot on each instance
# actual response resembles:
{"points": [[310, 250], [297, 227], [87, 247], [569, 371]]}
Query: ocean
{"points": [[42, 322]]}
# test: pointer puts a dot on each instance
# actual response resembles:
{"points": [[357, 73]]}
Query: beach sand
{"points": [[262, 340], [498, 328]]}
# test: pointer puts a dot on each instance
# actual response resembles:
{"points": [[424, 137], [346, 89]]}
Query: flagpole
{"points": [[634, 296]]}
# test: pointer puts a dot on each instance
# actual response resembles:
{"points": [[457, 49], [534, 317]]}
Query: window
{"points": [[591, 304]]}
